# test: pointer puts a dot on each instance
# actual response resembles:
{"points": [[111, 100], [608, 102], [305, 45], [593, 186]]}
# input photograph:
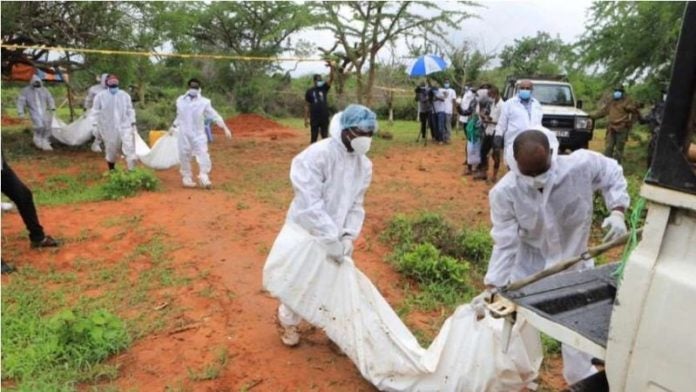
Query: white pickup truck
{"points": [[562, 112]]}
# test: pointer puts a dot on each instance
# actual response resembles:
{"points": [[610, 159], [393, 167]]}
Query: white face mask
{"points": [[361, 144], [536, 182], [193, 92]]}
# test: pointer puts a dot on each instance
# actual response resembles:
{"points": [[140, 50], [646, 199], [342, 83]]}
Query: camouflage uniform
{"points": [[621, 114]]}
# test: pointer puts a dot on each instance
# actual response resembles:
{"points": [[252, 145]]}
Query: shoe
{"points": [[46, 242], [7, 269], [480, 176], [205, 181], [38, 142], [187, 182], [290, 336], [96, 147], [7, 207], [46, 145]]}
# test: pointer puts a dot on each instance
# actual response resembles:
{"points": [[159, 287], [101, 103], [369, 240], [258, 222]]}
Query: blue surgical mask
{"points": [[618, 94], [113, 90], [447, 85], [524, 94], [320, 83]]}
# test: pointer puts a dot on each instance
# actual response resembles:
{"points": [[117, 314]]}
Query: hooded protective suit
{"points": [[89, 102], [191, 113], [330, 185], [533, 229], [116, 121], [41, 106]]}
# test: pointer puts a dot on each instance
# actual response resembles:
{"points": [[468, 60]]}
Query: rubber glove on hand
{"points": [[615, 226], [478, 304], [335, 251], [347, 246], [228, 133]]}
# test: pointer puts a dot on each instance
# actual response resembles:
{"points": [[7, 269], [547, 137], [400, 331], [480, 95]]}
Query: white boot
{"points": [[38, 142], [96, 146], [290, 336], [46, 145], [205, 181], [188, 182]]}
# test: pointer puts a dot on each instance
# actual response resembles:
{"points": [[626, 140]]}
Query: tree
{"points": [[467, 63], [537, 55], [632, 41], [363, 28]]}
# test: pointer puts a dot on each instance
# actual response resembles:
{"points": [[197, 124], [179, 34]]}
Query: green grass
{"points": [[55, 337]]}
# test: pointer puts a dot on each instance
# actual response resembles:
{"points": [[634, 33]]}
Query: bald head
{"points": [[526, 84], [532, 152]]}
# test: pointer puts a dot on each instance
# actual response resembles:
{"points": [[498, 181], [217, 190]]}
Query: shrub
{"points": [[427, 265], [122, 183]]}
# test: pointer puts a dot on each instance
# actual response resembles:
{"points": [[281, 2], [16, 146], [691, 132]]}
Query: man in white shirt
{"points": [[449, 104], [464, 103], [518, 114], [489, 112]]}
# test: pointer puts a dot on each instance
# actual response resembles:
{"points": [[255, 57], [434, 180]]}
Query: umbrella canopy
{"points": [[425, 65]]}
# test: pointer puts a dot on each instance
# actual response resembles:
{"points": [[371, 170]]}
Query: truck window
{"points": [[553, 94]]}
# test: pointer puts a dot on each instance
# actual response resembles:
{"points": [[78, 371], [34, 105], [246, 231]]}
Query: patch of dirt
{"points": [[10, 120], [222, 237], [254, 125]]}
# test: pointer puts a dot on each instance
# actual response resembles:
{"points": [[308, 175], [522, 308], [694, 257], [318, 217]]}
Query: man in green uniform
{"points": [[622, 112]]}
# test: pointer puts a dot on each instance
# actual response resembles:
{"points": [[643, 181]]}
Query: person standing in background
{"points": [[316, 114]]}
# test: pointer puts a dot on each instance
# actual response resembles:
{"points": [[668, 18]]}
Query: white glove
{"points": [[228, 133], [335, 251], [347, 246], [615, 226], [478, 304]]}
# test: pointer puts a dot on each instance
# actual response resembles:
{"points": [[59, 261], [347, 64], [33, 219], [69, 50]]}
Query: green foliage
{"points": [[125, 183], [537, 55], [632, 41], [551, 346], [427, 265]]}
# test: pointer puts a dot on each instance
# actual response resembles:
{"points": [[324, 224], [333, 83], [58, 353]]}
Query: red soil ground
{"points": [[223, 236]]}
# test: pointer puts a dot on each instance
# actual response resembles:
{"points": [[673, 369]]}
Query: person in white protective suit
{"points": [[89, 102], [518, 113], [192, 109], [541, 212], [330, 179], [116, 120], [41, 106]]}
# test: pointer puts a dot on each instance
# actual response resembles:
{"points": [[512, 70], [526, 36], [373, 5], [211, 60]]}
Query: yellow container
{"points": [[154, 135]]}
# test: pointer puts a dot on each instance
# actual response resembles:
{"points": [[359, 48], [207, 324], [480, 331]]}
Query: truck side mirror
{"points": [[579, 104]]}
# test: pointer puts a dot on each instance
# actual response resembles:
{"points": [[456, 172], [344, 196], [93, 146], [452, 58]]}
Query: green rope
{"points": [[634, 223]]}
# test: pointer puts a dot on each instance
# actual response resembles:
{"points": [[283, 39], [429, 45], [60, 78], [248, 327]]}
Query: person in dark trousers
{"points": [[21, 196], [316, 107], [425, 109]]}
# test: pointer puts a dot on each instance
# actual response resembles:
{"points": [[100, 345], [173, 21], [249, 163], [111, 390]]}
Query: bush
{"points": [[126, 183], [426, 264], [476, 244]]}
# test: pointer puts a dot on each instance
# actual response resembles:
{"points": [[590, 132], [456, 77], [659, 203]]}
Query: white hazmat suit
{"points": [[533, 229], [40, 103], [515, 117], [329, 184], [191, 112], [116, 121], [89, 102]]}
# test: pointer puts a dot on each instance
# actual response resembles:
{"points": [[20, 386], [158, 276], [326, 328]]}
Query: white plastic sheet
{"points": [[76, 133], [465, 356], [163, 155]]}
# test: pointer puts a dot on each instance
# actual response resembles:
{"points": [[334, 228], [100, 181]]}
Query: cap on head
{"points": [[359, 116], [194, 83]]}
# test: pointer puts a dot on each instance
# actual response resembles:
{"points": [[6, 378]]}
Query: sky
{"points": [[499, 24]]}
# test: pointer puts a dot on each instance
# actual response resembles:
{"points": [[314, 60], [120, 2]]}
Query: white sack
{"points": [[75, 134], [163, 155], [465, 356]]}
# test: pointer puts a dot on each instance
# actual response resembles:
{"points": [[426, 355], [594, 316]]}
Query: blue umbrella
{"points": [[425, 65]]}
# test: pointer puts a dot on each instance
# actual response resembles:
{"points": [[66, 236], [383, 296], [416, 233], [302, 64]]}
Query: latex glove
{"points": [[615, 226], [228, 133], [335, 251], [497, 142], [478, 304], [347, 246]]}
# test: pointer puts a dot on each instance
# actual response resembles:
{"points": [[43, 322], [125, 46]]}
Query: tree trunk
{"points": [[390, 102], [370, 79], [69, 89], [358, 86]]}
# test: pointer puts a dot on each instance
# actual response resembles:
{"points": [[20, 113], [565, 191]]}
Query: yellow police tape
{"points": [[148, 54]]}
